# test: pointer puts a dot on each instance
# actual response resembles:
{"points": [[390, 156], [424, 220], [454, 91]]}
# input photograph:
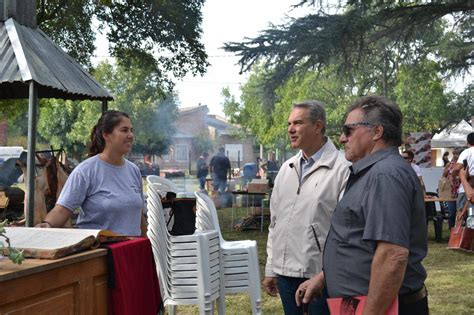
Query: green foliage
{"points": [[417, 88], [402, 50], [75, 35], [14, 254], [13, 110], [420, 94], [270, 128], [68, 124], [138, 93], [367, 42], [231, 106], [163, 34]]}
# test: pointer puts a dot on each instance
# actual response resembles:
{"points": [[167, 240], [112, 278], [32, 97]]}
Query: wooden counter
{"points": [[71, 285]]}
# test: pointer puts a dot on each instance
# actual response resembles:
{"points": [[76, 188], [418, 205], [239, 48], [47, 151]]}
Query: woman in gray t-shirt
{"points": [[106, 186]]}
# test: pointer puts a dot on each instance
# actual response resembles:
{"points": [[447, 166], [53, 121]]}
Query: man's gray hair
{"points": [[379, 110], [316, 111]]}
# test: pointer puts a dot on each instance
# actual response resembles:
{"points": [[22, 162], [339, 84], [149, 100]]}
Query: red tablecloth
{"points": [[133, 280]]}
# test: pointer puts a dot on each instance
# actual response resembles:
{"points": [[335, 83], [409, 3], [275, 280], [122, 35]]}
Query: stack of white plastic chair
{"points": [[239, 258], [188, 266], [164, 185]]}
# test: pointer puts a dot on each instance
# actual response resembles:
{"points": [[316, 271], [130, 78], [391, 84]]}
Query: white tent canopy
{"points": [[452, 136]]}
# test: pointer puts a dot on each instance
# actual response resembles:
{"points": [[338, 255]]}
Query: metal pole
{"points": [[104, 106], [30, 169], [238, 159]]}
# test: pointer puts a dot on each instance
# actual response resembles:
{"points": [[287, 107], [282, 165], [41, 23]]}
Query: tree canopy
{"points": [[164, 35], [407, 51], [68, 124], [320, 39]]}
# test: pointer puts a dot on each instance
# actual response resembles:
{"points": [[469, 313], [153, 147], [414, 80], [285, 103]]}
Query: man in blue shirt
{"points": [[220, 167]]}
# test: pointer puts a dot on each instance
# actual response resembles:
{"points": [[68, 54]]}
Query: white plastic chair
{"points": [[239, 258], [188, 266], [164, 184]]}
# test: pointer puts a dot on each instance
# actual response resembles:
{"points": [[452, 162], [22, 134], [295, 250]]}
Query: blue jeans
{"points": [[202, 182], [287, 287], [452, 213], [219, 184]]}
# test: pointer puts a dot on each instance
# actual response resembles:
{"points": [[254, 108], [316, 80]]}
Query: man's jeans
{"points": [[452, 209], [219, 184], [287, 287], [202, 182]]}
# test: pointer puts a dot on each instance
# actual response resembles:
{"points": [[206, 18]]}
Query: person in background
{"points": [[465, 191], [408, 156], [445, 158], [106, 186], [202, 170], [453, 178], [378, 236], [304, 196], [270, 167], [220, 169]]}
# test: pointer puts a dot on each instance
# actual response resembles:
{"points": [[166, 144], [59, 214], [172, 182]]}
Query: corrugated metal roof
{"points": [[29, 54]]}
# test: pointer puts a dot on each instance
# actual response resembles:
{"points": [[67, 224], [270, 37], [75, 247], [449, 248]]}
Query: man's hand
{"points": [[310, 289], [270, 285]]}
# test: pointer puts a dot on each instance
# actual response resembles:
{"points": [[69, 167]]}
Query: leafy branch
{"points": [[14, 254]]}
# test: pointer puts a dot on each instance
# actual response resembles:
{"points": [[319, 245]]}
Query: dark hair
{"points": [[106, 124], [410, 154], [316, 111], [458, 150], [470, 138], [378, 110], [221, 150]]}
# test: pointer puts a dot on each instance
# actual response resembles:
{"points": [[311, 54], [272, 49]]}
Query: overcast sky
{"points": [[224, 21]]}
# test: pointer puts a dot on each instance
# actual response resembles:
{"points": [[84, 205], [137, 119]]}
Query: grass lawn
{"points": [[450, 280]]}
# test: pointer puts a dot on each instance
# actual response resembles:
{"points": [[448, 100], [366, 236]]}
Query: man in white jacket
{"points": [[305, 194]]}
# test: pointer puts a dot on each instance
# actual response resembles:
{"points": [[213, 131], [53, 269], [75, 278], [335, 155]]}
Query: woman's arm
{"points": [[446, 170], [56, 218]]}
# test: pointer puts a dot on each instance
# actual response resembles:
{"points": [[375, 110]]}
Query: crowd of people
{"points": [[342, 224]]}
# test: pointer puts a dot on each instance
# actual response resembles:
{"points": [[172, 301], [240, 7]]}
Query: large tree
{"points": [[163, 34], [368, 40], [417, 88]]}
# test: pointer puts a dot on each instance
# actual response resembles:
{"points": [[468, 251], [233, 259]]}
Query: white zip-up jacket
{"points": [[301, 213]]}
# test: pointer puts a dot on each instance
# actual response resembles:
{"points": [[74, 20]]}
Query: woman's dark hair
{"points": [[106, 124]]}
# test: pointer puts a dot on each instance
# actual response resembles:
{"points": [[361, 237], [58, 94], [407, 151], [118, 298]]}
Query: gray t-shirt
{"points": [[110, 196], [383, 201]]}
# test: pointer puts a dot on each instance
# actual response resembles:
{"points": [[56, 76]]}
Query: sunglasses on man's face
{"points": [[406, 157], [347, 129]]}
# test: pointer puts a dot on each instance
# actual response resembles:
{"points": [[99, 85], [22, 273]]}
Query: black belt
{"points": [[413, 297]]}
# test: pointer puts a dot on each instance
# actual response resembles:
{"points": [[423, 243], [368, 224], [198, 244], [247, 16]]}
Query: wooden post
{"points": [[104, 106], [30, 170]]}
